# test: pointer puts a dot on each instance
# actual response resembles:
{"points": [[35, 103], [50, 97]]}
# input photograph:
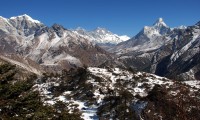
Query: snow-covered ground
{"points": [[119, 74], [88, 112], [193, 83], [137, 83]]}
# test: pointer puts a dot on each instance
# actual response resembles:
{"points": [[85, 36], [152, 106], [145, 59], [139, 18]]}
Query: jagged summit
{"points": [[1, 17], [158, 28], [25, 25], [160, 19], [59, 29], [101, 36], [159, 23], [80, 28], [57, 26], [25, 16], [101, 30], [149, 38]]}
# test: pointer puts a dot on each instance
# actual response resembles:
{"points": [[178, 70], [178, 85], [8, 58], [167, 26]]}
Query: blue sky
{"points": [[119, 16]]}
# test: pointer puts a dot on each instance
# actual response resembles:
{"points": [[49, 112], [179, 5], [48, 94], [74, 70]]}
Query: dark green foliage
{"points": [[75, 80], [16, 100], [171, 108], [64, 114], [132, 70], [4, 68], [117, 107], [19, 102]]}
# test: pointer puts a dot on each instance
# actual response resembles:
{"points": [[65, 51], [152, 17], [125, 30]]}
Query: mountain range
{"points": [[52, 47], [157, 49], [165, 51], [101, 36], [58, 73]]}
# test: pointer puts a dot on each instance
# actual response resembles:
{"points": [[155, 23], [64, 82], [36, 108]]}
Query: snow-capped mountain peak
{"points": [[150, 31], [80, 28], [158, 28], [160, 23], [102, 30], [25, 25], [2, 18], [149, 38], [124, 37], [81, 31], [101, 36], [27, 17]]}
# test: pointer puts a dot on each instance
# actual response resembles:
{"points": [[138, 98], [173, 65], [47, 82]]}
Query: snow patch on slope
{"points": [[178, 53], [103, 82], [193, 83], [88, 113]]}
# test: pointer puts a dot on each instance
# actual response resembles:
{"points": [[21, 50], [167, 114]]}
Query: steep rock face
{"points": [[184, 60], [25, 25], [68, 50], [174, 59], [58, 29], [16, 31], [5, 25], [141, 51], [55, 48], [163, 51], [149, 38]]}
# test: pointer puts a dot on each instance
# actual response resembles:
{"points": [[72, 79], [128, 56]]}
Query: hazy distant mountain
{"points": [[101, 36]]}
